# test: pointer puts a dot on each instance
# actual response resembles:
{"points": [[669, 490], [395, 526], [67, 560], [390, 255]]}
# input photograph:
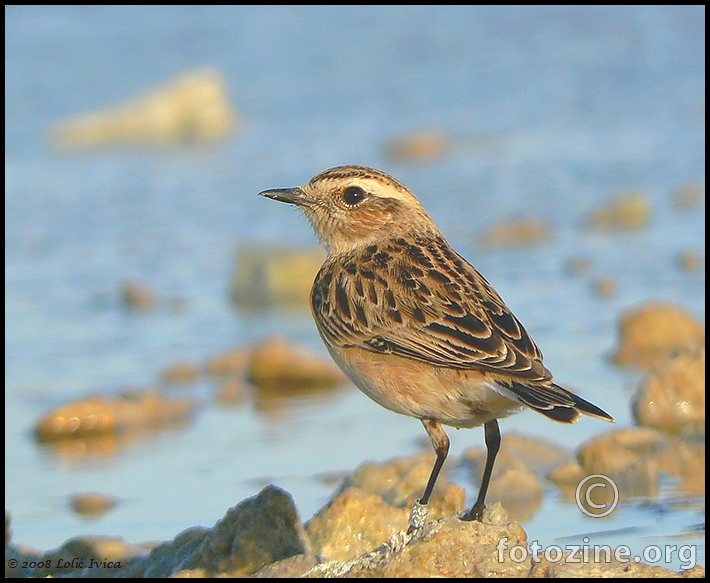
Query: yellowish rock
{"points": [[418, 147], [672, 396], [135, 295], [516, 233], [104, 415], [92, 503], [180, 372], [629, 456], [604, 286], [654, 331], [232, 362], [275, 276], [354, 523], [276, 363], [626, 210], [688, 260], [691, 195], [194, 107]]}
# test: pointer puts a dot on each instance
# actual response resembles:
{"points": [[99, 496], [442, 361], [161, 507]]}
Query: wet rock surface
{"points": [[104, 415], [671, 397]]}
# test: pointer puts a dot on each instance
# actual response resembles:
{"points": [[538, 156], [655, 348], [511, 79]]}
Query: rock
{"points": [[576, 568], [355, 522], [455, 548], [567, 476], [604, 286], [232, 362], [626, 210], [193, 107], [688, 260], [232, 392], [579, 265], [521, 462], [103, 415], [447, 548], [273, 276], [512, 484], [633, 458], [276, 364], [402, 480], [255, 533], [672, 395], [629, 456], [137, 296], [287, 568], [691, 195], [92, 504], [180, 372], [685, 459], [418, 147], [519, 491], [521, 232], [654, 331]]}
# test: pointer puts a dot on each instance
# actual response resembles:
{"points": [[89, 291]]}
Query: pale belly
{"points": [[452, 397]]}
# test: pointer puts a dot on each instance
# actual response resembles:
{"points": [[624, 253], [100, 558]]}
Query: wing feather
{"points": [[419, 299]]}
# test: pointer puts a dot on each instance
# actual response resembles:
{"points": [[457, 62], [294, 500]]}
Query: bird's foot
{"points": [[475, 513]]}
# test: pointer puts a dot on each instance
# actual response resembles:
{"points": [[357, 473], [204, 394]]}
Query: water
{"points": [[550, 111]]}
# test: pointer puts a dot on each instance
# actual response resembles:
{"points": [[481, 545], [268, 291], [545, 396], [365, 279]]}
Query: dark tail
{"points": [[556, 403]]}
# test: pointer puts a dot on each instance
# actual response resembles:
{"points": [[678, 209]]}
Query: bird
{"points": [[414, 325]]}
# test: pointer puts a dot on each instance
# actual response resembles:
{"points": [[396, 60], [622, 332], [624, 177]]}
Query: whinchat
{"points": [[413, 325]]}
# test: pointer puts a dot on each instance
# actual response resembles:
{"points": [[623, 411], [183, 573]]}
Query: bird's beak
{"points": [[290, 195]]}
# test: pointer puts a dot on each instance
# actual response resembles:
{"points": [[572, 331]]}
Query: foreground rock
{"points": [[263, 536]]}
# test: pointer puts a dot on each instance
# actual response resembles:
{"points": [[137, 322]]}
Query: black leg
{"points": [[492, 432], [440, 442]]}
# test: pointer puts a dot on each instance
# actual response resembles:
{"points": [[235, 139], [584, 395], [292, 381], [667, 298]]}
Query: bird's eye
{"points": [[353, 195]]}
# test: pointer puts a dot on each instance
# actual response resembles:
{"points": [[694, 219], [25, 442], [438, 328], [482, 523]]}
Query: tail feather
{"points": [[556, 403]]}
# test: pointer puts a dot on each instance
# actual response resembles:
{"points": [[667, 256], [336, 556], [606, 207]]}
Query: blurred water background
{"points": [[550, 112]]}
